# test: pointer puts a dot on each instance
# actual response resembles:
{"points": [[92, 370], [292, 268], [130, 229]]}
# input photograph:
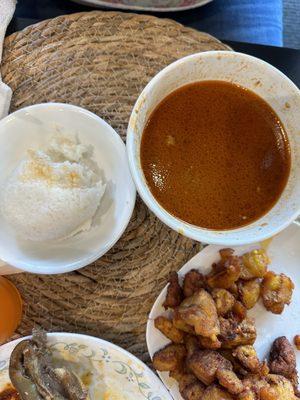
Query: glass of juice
{"points": [[10, 309]]}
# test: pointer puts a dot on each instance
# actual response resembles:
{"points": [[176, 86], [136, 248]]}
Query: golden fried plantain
{"points": [[234, 333], [214, 392], [180, 324], [224, 300], [247, 356], [193, 391], [239, 311], [224, 273], [207, 343], [297, 341], [249, 292], [279, 387], [205, 363], [193, 281], [200, 312], [277, 291], [254, 264], [174, 292], [191, 344], [169, 358], [183, 378], [230, 381], [168, 329]]}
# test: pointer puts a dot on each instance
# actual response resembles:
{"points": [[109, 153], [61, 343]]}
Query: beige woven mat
{"points": [[101, 61]]}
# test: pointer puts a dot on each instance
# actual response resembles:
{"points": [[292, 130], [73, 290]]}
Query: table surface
{"points": [[31, 11]]}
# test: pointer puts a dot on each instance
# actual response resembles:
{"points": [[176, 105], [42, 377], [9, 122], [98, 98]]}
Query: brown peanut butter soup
{"points": [[215, 155]]}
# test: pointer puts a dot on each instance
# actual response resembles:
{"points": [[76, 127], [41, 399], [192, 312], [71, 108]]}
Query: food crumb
{"points": [[297, 341]]}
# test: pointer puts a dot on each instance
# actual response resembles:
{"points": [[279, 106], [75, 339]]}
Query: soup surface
{"points": [[215, 155]]}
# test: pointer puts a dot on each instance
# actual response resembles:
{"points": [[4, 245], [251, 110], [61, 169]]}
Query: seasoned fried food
{"points": [[205, 363], [254, 264], [224, 300], [230, 381], [180, 324], [200, 312], [169, 358], [214, 392], [277, 291], [237, 366], [225, 273], [279, 387], [168, 329], [239, 311], [183, 378], [234, 333], [207, 343], [193, 391], [191, 344], [249, 292], [226, 253], [247, 395], [174, 292], [297, 341], [282, 359], [247, 356], [193, 281], [253, 383]]}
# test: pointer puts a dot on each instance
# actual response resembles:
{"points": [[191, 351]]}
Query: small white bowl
{"points": [[251, 73], [31, 127]]}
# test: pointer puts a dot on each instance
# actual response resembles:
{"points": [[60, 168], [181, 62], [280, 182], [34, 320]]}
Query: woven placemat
{"points": [[101, 61]]}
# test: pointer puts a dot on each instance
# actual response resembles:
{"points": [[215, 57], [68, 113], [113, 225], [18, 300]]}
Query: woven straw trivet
{"points": [[101, 61]]}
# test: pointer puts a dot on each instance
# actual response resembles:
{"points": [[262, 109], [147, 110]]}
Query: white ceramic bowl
{"points": [[254, 74], [31, 127]]}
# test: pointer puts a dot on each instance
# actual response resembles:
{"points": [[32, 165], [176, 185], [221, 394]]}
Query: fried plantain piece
{"points": [[230, 381], [224, 300], [205, 363], [277, 291], [278, 388], [247, 356], [249, 292], [226, 253], [239, 311], [169, 358], [297, 341], [183, 378], [180, 324], [200, 312], [254, 264], [247, 395], [237, 366], [282, 360], [174, 292], [168, 329], [224, 273], [253, 383], [214, 392], [193, 281], [234, 333], [193, 391]]}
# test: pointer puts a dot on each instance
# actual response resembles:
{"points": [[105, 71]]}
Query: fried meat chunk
{"points": [[234, 333], [224, 273], [277, 291], [180, 324], [215, 392], [183, 378], [169, 358], [224, 300], [230, 381], [200, 312], [193, 391], [168, 329], [249, 292], [193, 281], [282, 360], [247, 356], [205, 363], [174, 292], [207, 343], [254, 264]]}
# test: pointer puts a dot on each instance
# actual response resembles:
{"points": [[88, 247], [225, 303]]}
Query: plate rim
{"points": [[103, 3], [106, 343]]}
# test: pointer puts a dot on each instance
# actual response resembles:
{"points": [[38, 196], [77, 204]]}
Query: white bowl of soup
{"points": [[213, 144]]}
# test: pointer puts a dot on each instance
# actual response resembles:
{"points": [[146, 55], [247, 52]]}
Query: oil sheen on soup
{"points": [[215, 155]]}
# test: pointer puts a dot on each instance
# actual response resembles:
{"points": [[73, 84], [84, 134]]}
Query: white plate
{"points": [[31, 127], [115, 367], [284, 251], [147, 5]]}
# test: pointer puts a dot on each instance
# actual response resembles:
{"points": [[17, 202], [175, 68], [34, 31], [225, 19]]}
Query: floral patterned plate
{"points": [[110, 372], [147, 5]]}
